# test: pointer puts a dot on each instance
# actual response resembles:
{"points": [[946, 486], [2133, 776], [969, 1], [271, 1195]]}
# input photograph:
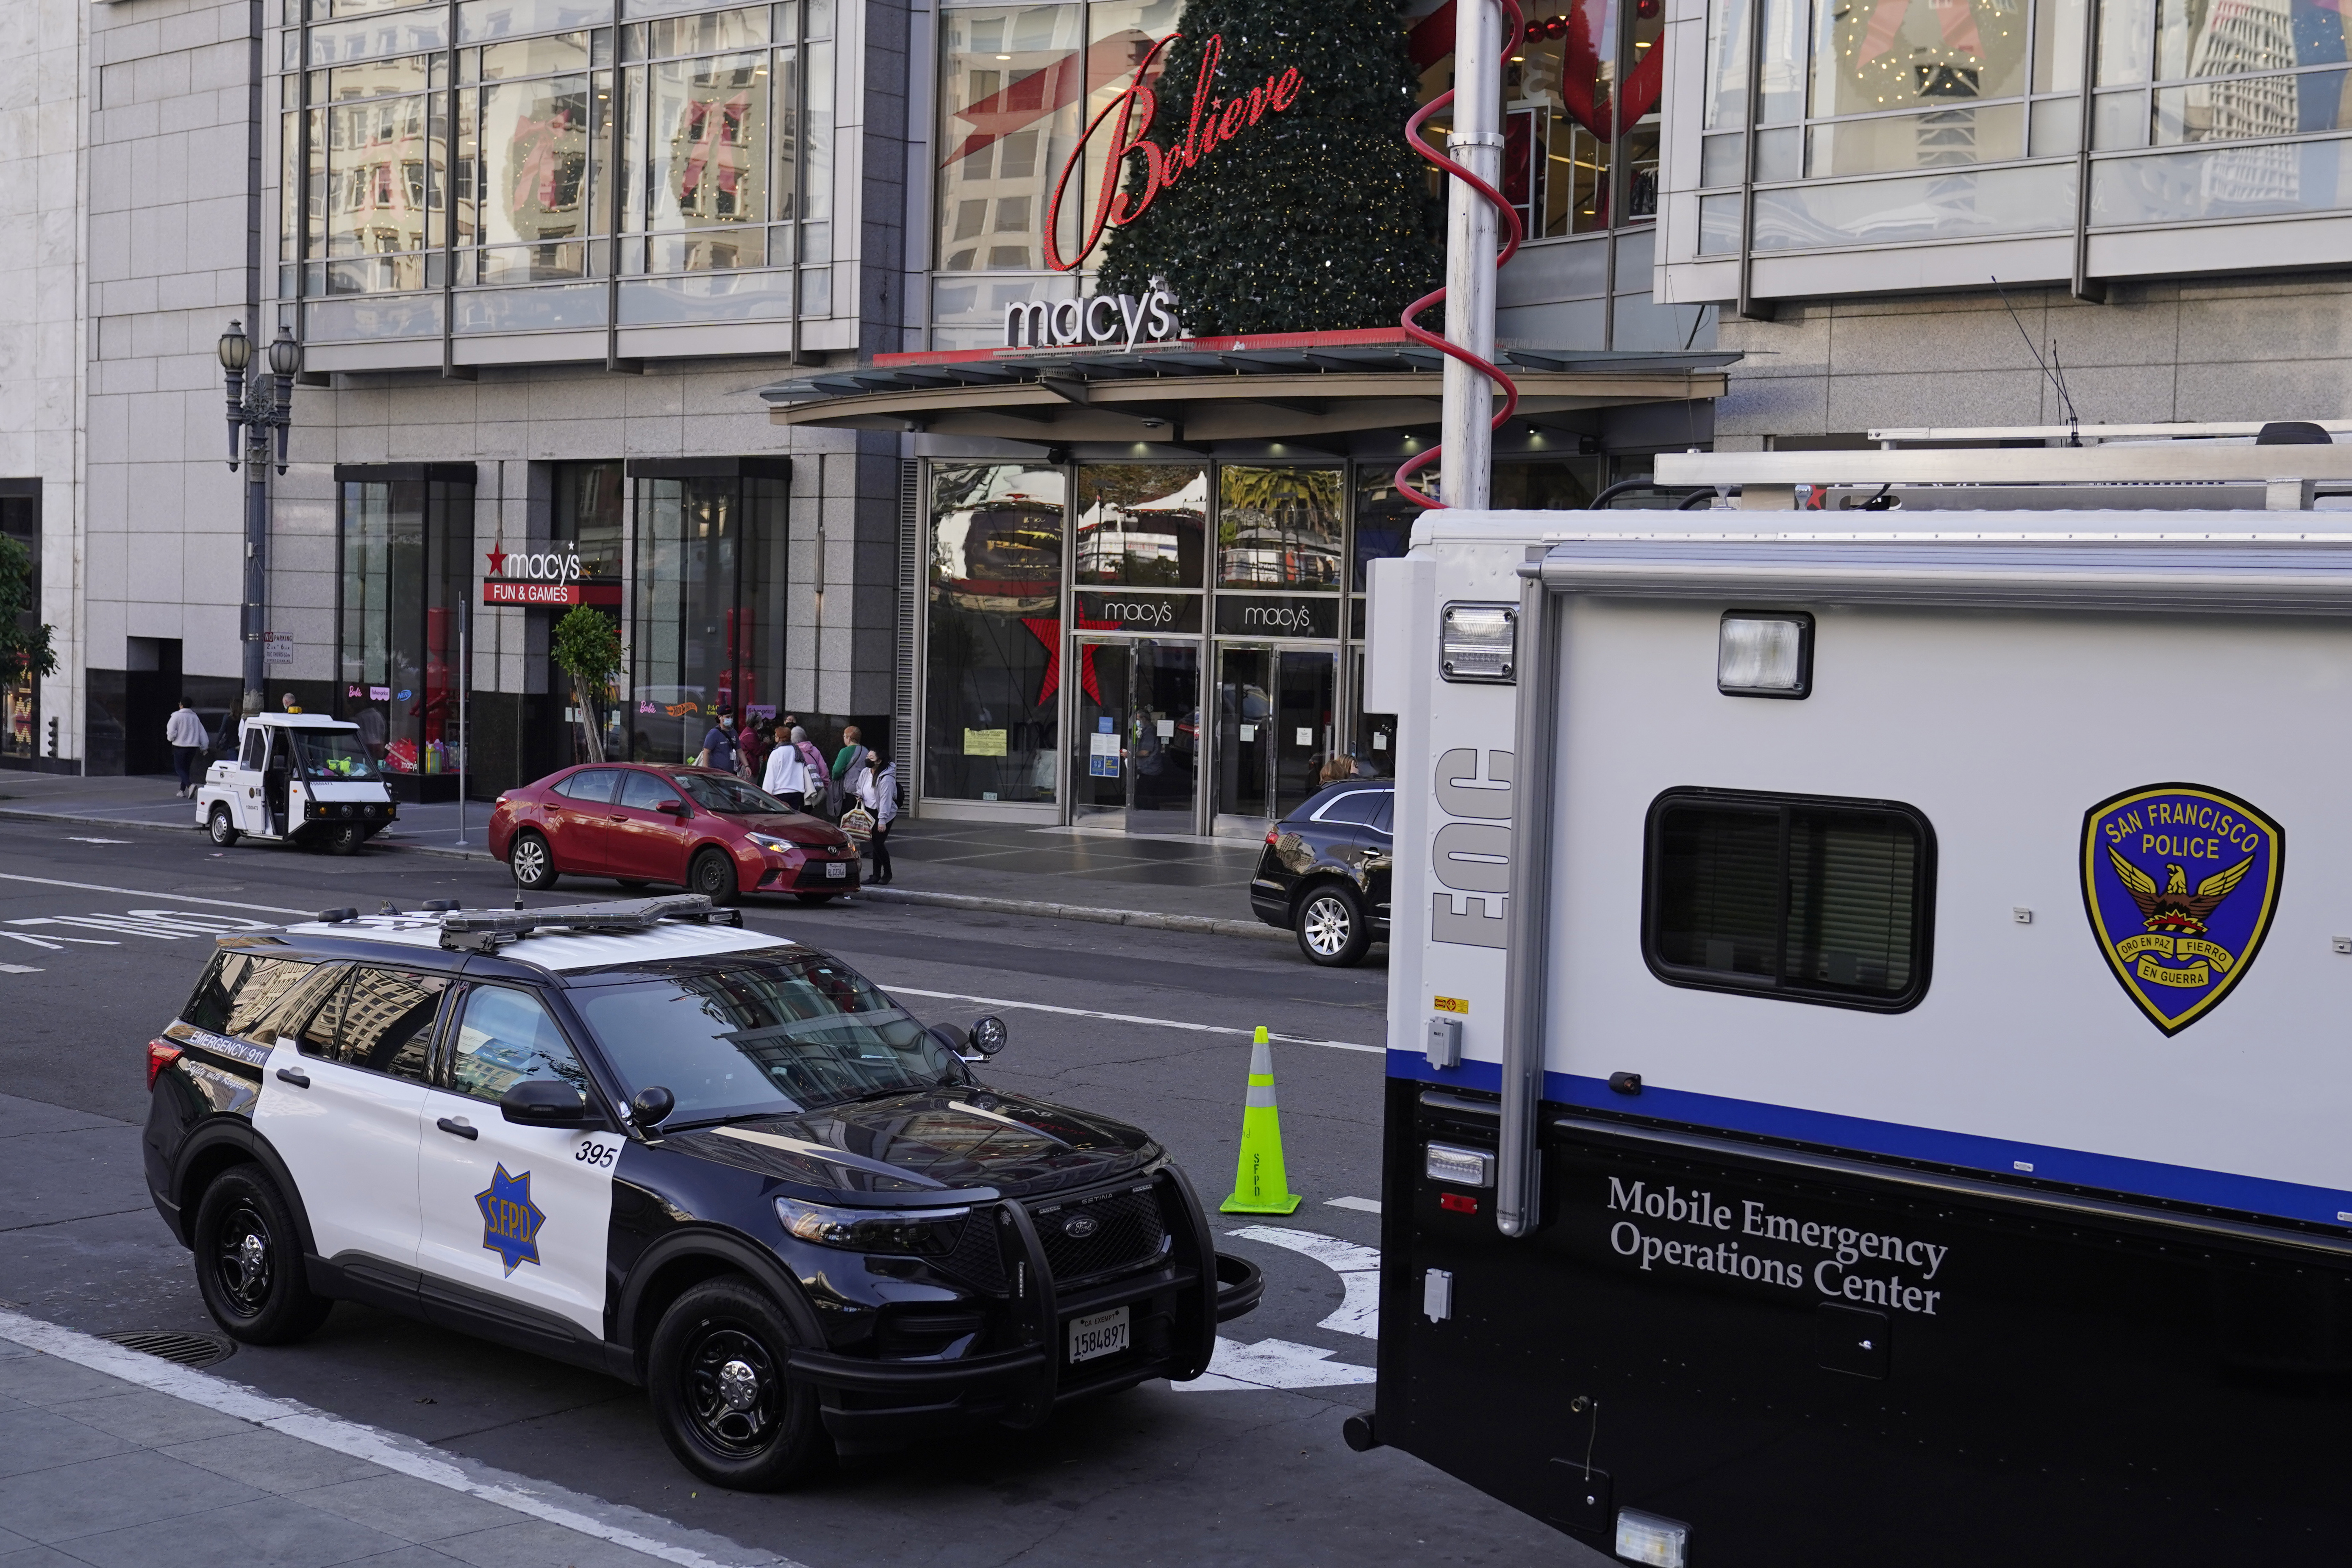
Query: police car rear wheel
{"points": [[1331, 929], [532, 864], [223, 830], [249, 1264], [726, 1407]]}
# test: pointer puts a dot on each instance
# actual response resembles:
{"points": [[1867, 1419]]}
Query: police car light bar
{"points": [[486, 931]]}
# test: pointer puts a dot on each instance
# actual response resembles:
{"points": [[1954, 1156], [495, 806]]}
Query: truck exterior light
{"points": [[1650, 1540], [1763, 654], [1461, 1167], [1479, 643]]}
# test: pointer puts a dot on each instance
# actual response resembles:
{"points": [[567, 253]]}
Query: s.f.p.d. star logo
{"points": [[511, 1221], [2180, 882]]}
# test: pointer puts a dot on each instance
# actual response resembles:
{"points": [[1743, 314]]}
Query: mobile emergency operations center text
{"points": [[1869, 1078]]}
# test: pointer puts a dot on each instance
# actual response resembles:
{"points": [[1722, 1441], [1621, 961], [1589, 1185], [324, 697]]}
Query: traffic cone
{"points": [[1260, 1185]]}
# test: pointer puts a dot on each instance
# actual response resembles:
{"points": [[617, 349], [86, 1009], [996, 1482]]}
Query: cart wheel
{"points": [[345, 838], [223, 830], [532, 862]]}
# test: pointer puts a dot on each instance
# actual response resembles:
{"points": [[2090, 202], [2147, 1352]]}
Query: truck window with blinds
{"points": [[1796, 897]]}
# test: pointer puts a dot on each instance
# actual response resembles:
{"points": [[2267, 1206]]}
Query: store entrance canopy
{"points": [[1274, 387]]}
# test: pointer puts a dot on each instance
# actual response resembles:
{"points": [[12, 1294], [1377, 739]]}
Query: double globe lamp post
{"points": [[256, 409]]}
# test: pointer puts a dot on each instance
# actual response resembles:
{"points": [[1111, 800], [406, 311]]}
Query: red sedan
{"points": [[706, 831]]}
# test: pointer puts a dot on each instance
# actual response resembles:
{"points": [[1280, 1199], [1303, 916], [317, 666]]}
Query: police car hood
{"points": [[931, 1139]]}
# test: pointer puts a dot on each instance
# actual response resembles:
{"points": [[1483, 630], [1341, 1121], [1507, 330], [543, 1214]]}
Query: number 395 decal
{"points": [[594, 1153]]}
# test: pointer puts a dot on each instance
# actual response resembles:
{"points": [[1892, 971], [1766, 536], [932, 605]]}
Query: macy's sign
{"points": [[1092, 319]]}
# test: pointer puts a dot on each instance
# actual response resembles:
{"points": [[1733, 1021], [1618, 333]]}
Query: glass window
{"points": [[2222, 182], [1938, 139], [1817, 900], [388, 1017], [240, 992], [386, 162], [1277, 528], [1011, 80], [20, 703], [2058, 45], [730, 797], [2249, 107], [2199, 37], [1898, 55], [707, 163], [1560, 484], [1141, 525], [993, 653], [507, 1038], [333, 755], [533, 183], [317, 1003], [1941, 206], [1383, 518], [405, 553], [592, 785], [788, 1035], [1361, 806], [642, 790], [709, 608]]}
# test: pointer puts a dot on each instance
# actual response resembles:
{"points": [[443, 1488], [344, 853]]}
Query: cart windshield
{"points": [[772, 1038], [333, 754]]}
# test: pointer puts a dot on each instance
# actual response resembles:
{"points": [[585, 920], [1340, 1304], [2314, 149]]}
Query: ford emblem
{"points": [[1079, 1226]]}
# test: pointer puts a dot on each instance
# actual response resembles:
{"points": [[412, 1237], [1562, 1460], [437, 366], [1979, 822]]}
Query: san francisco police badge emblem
{"points": [[2180, 882]]}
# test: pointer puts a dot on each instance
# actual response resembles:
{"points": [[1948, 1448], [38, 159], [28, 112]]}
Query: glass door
{"points": [[1245, 754], [1136, 752], [1305, 736]]}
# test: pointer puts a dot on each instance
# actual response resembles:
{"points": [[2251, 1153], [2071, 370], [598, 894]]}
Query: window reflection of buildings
{"points": [[1012, 83]]}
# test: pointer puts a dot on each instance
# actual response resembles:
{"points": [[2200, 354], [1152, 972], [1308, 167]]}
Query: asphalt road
{"points": [[1159, 1475]]}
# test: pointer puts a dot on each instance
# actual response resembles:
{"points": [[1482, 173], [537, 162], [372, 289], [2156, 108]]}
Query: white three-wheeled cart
{"points": [[302, 778]]}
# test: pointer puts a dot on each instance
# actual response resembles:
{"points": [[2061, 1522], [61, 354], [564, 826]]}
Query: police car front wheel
{"points": [[719, 1390], [249, 1263]]}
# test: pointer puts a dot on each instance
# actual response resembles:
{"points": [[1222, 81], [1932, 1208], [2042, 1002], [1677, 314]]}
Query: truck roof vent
{"points": [[2293, 433]]}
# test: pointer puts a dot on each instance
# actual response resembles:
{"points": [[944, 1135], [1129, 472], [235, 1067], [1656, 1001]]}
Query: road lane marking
{"points": [[1281, 1364], [19, 968], [1363, 1205], [1357, 1266], [1129, 1018], [149, 893], [332, 1433], [78, 838]]}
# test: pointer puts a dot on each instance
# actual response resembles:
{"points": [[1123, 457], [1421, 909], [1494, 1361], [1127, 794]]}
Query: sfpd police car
{"points": [[694, 1156]]}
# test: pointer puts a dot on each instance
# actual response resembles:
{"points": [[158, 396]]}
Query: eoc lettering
{"points": [[1843, 1273]]}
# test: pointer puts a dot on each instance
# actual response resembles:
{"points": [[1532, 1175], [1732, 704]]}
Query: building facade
{"points": [[1930, 216], [549, 263]]}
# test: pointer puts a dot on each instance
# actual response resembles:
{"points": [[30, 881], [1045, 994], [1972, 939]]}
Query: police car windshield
{"points": [[772, 1038], [730, 796], [333, 754]]}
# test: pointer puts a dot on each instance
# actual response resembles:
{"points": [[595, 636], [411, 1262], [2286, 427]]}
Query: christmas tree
{"points": [[1314, 214]]}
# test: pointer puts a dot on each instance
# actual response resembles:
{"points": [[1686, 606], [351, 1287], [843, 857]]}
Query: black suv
{"points": [[1325, 871], [701, 1159]]}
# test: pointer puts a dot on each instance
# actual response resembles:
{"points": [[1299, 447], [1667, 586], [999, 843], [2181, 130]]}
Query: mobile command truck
{"points": [[1869, 1076]]}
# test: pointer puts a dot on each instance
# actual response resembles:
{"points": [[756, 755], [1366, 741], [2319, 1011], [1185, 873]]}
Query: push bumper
{"points": [[1173, 1313]]}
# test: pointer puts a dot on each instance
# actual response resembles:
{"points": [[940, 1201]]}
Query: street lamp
{"points": [[255, 410]]}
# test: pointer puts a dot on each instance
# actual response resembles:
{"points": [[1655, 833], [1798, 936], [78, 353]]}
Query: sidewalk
{"points": [[1184, 884], [109, 1457]]}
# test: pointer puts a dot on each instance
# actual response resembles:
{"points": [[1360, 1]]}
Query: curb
{"points": [[1198, 925]]}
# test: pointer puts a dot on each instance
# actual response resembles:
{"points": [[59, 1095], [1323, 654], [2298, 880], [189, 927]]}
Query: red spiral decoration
{"points": [[1421, 334]]}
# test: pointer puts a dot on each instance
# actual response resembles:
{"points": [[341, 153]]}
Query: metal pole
{"points": [[465, 685], [256, 547], [1477, 143], [1518, 1175]]}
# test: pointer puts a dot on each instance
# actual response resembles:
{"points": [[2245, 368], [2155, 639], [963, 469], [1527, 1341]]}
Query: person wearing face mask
{"points": [[719, 744], [787, 776]]}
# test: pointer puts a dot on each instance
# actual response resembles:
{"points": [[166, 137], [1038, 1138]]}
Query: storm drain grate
{"points": [[187, 1350]]}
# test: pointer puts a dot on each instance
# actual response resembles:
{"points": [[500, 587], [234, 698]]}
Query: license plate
{"points": [[1102, 1334], [836, 870]]}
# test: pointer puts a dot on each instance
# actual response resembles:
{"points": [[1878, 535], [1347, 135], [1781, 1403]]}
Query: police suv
{"points": [[638, 1137]]}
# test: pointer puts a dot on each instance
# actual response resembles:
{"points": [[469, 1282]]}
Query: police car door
{"points": [[340, 1101], [514, 1213]]}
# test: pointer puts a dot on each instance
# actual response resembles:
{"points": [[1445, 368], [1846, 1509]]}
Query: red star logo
{"points": [[1048, 630], [497, 561]]}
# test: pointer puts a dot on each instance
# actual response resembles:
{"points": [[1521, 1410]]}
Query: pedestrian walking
{"points": [[751, 755], [787, 774], [879, 782], [719, 744], [185, 733], [813, 785], [842, 776]]}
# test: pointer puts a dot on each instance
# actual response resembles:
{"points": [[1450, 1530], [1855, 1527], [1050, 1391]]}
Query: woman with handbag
{"points": [[878, 791]]}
